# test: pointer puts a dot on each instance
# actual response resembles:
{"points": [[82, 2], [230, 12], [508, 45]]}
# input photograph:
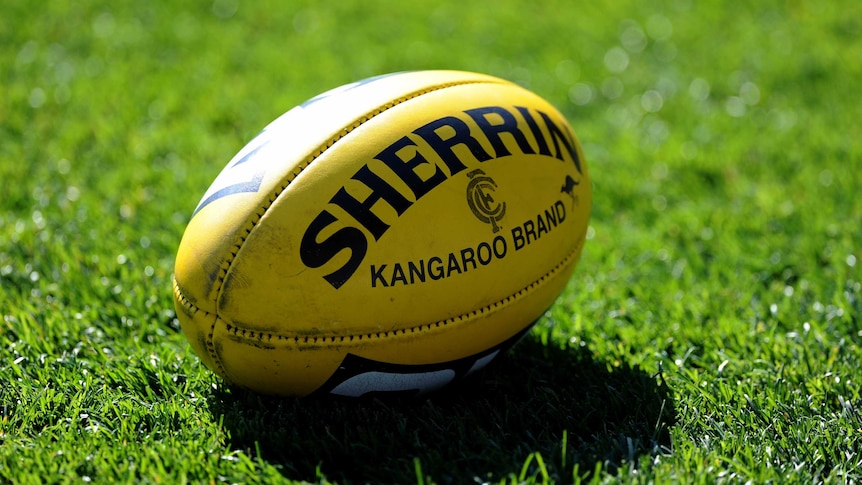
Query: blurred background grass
{"points": [[720, 280]]}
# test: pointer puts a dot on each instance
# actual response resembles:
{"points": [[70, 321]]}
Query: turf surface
{"points": [[711, 331]]}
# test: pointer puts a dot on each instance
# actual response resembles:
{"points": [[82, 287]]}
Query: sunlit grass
{"points": [[711, 331]]}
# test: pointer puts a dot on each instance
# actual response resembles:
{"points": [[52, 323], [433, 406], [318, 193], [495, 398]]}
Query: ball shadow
{"points": [[559, 402]]}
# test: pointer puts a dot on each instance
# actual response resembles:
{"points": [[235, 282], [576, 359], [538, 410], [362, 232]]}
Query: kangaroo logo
{"points": [[480, 198], [569, 189]]}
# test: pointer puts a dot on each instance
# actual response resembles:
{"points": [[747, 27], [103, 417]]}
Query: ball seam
{"points": [[181, 297]]}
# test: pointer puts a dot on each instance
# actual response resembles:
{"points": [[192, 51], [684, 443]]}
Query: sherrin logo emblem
{"points": [[393, 235], [480, 197]]}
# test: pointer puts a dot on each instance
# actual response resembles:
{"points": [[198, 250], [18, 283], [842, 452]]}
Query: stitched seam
{"points": [[181, 297], [340, 339]]}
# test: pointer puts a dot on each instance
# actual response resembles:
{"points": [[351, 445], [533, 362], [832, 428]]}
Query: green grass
{"points": [[711, 331]]}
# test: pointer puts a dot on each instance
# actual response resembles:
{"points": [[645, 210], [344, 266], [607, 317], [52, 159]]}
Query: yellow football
{"points": [[391, 235]]}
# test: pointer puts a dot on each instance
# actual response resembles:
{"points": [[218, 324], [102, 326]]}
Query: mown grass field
{"points": [[711, 332]]}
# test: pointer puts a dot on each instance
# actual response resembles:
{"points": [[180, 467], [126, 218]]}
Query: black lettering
{"points": [[468, 257], [406, 169], [492, 131], [540, 226], [453, 265], [558, 134], [530, 231], [560, 209], [436, 271], [518, 237], [377, 275], [315, 254], [398, 275], [416, 272], [484, 260], [537, 132], [444, 147], [551, 217], [499, 245], [361, 210]]}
